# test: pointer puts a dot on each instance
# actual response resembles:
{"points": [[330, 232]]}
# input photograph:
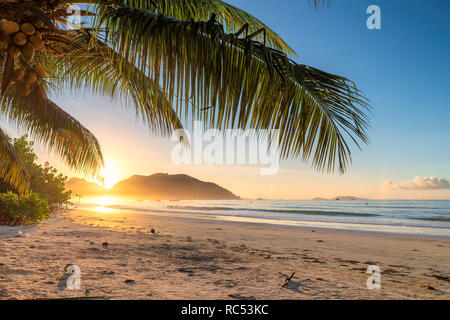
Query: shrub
{"points": [[44, 180], [22, 209]]}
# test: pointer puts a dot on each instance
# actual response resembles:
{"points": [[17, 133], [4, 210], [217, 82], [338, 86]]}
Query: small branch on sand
{"points": [[285, 282]]}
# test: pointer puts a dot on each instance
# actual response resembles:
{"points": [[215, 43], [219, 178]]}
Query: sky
{"points": [[403, 69]]}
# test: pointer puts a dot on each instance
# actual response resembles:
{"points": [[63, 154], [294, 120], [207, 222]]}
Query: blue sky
{"points": [[404, 70]]}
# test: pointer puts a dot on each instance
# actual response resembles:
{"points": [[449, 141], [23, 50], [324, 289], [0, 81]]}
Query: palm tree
{"points": [[171, 60]]}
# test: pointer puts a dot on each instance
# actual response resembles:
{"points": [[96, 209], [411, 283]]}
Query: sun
{"points": [[110, 173]]}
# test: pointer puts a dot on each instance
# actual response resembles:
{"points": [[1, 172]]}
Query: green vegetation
{"points": [[47, 192], [44, 180], [22, 209]]}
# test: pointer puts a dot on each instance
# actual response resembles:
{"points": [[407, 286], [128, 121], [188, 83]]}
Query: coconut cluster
{"points": [[26, 79], [23, 40]]}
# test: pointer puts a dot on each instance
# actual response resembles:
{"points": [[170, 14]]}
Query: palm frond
{"points": [[230, 16], [319, 3], [239, 82], [12, 170], [54, 128], [93, 66]]}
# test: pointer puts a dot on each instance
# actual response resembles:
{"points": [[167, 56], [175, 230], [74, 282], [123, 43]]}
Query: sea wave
{"points": [[443, 219], [200, 208], [288, 211]]}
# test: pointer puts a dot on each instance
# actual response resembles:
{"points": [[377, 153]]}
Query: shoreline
{"points": [[281, 223], [209, 259]]}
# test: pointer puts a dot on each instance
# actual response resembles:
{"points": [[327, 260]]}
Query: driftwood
{"points": [[285, 282]]}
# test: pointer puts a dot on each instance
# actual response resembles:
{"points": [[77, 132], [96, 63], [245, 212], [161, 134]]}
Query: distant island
{"points": [[159, 186], [342, 198]]}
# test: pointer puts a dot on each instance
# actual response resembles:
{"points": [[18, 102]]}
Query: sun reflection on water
{"points": [[102, 204]]}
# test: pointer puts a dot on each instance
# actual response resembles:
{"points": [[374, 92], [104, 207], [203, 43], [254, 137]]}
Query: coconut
{"points": [[28, 52], [13, 51], [25, 88], [39, 71], [20, 39], [28, 29], [10, 27], [19, 75], [36, 43], [30, 77]]}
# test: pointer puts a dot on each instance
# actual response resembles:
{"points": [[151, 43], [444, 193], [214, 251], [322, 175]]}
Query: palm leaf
{"points": [[208, 60], [12, 170], [232, 17], [93, 66], [320, 3], [54, 128], [240, 83]]}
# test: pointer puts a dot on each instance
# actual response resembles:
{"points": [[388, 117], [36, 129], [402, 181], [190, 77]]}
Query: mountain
{"points": [[82, 187], [170, 187], [158, 186]]}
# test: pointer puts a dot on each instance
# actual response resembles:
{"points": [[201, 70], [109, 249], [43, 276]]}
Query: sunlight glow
{"points": [[103, 203], [110, 173]]}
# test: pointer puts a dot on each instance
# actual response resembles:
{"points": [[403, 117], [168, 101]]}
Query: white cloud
{"points": [[419, 183]]}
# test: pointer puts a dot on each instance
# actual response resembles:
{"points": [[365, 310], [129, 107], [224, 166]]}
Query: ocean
{"points": [[423, 217]]}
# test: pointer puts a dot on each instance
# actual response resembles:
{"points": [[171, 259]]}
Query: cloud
{"points": [[419, 183]]}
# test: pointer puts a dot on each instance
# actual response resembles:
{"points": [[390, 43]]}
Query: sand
{"points": [[207, 259]]}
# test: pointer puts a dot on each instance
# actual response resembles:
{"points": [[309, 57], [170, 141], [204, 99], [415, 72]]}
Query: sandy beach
{"points": [[205, 259]]}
